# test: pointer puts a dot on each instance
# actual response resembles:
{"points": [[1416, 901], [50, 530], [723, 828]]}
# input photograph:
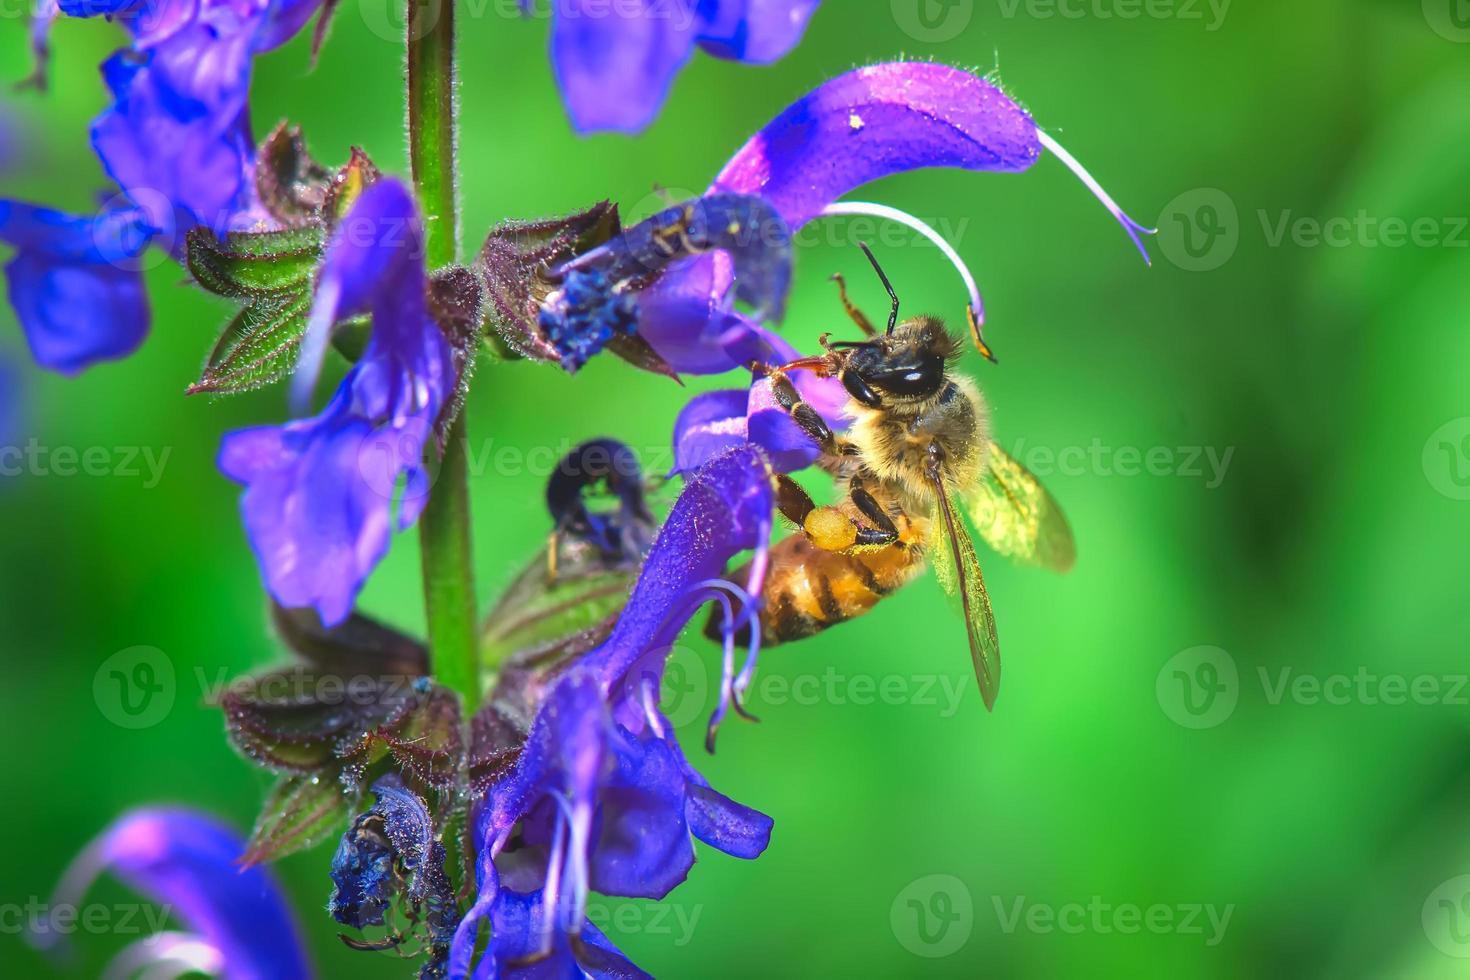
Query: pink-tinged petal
{"points": [[771, 427]]}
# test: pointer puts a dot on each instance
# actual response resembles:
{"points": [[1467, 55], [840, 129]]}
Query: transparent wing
{"points": [[959, 573], [1016, 516]]}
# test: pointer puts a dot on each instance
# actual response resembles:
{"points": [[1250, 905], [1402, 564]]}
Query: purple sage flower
{"points": [[177, 136], [616, 62], [176, 141], [320, 492], [602, 797], [239, 924], [75, 283]]}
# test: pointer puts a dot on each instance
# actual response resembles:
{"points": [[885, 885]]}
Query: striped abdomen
{"points": [[809, 589]]}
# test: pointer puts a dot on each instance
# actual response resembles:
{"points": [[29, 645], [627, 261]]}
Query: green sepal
{"points": [[541, 609], [258, 347], [300, 812], [354, 178], [247, 265]]}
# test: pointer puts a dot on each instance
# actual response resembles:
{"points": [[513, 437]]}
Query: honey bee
{"points": [[917, 456]]}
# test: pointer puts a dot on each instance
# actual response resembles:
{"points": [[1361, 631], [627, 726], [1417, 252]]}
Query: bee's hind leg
{"points": [[828, 527], [793, 501], [884, 532]]}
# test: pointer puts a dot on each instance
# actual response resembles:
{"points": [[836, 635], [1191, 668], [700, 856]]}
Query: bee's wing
{"points": [[1017, 517], [959, 573]]}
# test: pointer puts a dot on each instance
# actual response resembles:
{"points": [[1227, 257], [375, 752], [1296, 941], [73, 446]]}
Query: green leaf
{"points": [[300, 812]]}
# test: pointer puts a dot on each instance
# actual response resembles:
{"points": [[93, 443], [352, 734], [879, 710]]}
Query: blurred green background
{"points": [[1129, 783]]}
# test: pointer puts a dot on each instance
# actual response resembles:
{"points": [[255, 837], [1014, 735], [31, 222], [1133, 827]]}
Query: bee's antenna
{"points": [[892, 313]]}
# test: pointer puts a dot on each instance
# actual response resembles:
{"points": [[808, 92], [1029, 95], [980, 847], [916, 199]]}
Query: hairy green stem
{"points": [[444, 528], [431, 123]]}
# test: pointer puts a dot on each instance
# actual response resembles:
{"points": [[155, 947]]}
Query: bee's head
{"points": [[908, 365]]}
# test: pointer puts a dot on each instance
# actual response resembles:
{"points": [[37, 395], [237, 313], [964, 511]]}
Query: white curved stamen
{"points": [[867, 209], [650, 706], [1133, 228], [551, 897], [164, 956], [727, 666], [756, 586]]}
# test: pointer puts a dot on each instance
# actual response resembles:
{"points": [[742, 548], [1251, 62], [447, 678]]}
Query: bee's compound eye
{"points": [[922, 378]]}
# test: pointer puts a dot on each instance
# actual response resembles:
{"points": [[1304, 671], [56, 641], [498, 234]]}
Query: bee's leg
{"points": [[793, 501], [857, 315], [884, 531], [811, 422]]}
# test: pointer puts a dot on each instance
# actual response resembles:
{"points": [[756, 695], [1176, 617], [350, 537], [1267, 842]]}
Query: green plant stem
{"points": [[431, 137], [444, 527]]}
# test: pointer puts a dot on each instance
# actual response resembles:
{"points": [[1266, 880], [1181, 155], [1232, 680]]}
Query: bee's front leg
{"points": [[806, 417]]}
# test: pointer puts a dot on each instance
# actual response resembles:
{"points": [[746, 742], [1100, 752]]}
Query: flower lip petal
{"points": [[708, 425], [188, 863], [755, 31], [615, 63], [377, 248], [874, 122]]}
